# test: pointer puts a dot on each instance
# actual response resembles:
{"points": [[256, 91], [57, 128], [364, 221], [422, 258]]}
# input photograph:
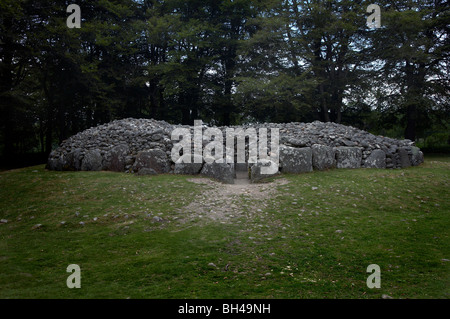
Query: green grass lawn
{"points": [[314, 239]]}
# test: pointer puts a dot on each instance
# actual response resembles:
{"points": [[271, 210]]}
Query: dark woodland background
{"points": [[222, 61]]}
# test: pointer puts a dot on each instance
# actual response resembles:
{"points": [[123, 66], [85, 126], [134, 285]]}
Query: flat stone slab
{"points": [[189, 168], [405, 162], [417, 157], [157, 160], [348, 157], [257, 174], [92, 161], [323, 157], [377, 159], [221, 172], [115, 159], [296, 160]]}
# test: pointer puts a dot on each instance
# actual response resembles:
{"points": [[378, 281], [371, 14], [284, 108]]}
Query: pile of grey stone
{"points": [[144, 147]]}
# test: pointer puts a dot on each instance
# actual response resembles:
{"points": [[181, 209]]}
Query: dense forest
{"points": [[222, 61]]}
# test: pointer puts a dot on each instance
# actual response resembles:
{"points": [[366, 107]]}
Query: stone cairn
{"points": [[144, 147]]}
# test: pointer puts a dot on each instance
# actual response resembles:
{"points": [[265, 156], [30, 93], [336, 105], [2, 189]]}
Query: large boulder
{"points": [[54, 163], [404, 157], [257, 173], [92, 161], [189, 168], [71, 161], [77, 158], [417, 157], [377, 159], [156, 160], [323, 157], [222, 172], [115, 159], [348, 157], [295, 160]]}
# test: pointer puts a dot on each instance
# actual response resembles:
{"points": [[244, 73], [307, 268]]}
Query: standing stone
{"points": [[222, 172], [256, 173], [117, 158], [404, 158], [323, 157], [295, 160], [154, 159], [417, 157], [92, 161], [77, 158], [377, 159], [54, 163], [72, 161], [348, 157], [189, 168]]}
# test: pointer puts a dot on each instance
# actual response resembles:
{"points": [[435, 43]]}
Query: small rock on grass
{"points": [[157, 219], [37, 226], [3, 221]]}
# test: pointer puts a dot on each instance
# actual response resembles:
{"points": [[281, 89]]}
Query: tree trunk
{"points": [[6, 86], [323, 105], [227, 107], [162, 114], [415, 78], [411, 122], [49, 117]]}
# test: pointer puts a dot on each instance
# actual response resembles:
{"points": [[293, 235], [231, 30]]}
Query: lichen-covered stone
{"points": [[323, 157], [404, 160], [54, 163], [222, 172], [377, 159], [295, 160], [115, 159], [154, 159], [348, 157], [256, 171], [417, 157], [72, 161], [92, 161], [192, 168]]}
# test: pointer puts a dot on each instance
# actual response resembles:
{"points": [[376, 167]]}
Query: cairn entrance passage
{"points": [[144, 147], [242, 175]]}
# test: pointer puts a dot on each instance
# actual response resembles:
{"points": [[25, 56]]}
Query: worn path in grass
{"points": [[226, 202]]}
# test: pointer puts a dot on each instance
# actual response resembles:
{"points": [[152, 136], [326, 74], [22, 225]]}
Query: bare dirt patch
{"points": [[224, 203]]}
